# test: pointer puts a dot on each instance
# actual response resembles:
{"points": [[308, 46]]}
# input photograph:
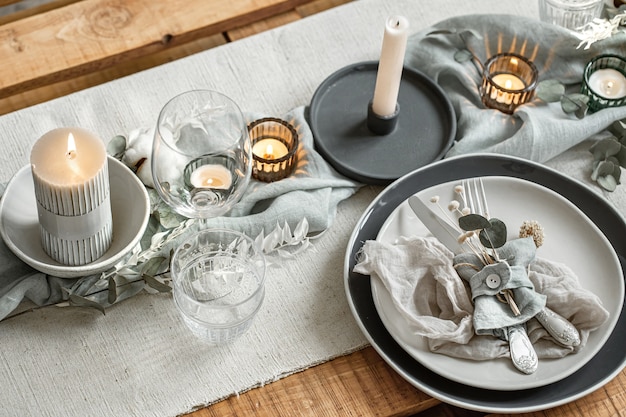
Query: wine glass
{"points": [[201, 156]]}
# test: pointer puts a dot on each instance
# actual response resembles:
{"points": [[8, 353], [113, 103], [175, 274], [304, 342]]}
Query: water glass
{"points": [[571, 14], [218, 278]]}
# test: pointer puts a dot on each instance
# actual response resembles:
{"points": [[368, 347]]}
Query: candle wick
{"points": [[71, 154]]}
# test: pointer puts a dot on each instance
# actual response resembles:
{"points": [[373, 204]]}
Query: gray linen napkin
{"points": [[537, 131], [436, 303], [313, 191]]}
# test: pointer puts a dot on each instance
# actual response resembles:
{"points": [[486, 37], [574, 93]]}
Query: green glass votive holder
{"points": [[274, 148], [604, 82]]}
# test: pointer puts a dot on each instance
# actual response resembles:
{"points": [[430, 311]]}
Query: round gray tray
{"points": [[425, 129]]}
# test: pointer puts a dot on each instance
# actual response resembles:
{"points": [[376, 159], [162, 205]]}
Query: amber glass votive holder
{"points": [[604, 82], [274, 148], [509, 80]]}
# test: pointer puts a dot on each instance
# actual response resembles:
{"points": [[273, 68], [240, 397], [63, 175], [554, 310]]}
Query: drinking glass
{"points": [[218, 278], [201, 156], [572, 14]]}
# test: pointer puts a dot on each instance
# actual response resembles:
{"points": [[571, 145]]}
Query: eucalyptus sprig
{"points": [[552, 91], [609, 155]]}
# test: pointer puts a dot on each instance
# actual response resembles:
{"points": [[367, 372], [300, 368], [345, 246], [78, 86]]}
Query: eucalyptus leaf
{"points": [[78, 301], [493, 236], [550, 91], [156, 284], [618, 128], [572, 103], [473, 221], [621, 156], [112, 293], [151, 266], [117, 146], [604, 148], [463, 55], [582, 111], [608, 182]]}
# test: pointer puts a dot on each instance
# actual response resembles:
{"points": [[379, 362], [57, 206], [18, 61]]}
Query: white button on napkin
{"points": [[493, 281]]}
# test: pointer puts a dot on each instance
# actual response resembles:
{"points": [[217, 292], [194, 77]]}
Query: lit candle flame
{"points": [[508, 84], [609, 87], [269, 152], [71, 147]]}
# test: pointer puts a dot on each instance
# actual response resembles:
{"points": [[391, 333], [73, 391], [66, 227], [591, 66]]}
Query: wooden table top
{"points": [[358, 384]]}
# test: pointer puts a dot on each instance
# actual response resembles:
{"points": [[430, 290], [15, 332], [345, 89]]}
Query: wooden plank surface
{"points": [[359, 384], [92, 35], [39, 83]]}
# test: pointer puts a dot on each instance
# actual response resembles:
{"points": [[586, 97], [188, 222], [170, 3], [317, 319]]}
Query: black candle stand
{"points": [[378, 150]]}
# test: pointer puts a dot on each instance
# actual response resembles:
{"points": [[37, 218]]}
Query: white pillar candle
{"points": [[71, 179], [390, 66], [211, 176], [608, 83]]}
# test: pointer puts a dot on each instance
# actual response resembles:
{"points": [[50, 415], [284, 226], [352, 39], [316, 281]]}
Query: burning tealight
{"points": [[211, 176], [605, 82], [274, 146], [270, 149], [71, 179], [509, 80]]}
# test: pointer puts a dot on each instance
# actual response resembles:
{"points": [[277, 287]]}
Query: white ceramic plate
{"points": [[19, 222], [571, 238]]}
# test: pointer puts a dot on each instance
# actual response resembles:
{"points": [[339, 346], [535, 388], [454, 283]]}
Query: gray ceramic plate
{"points": [[604, 366]]}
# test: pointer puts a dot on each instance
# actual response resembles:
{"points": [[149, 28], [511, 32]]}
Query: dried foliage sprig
{"points": [[599, 29]]}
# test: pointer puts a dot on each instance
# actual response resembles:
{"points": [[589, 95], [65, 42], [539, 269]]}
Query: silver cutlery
{"points": [[523, 354]]}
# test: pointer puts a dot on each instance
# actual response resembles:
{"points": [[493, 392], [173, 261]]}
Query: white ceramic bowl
{"points": [[19, 222]]}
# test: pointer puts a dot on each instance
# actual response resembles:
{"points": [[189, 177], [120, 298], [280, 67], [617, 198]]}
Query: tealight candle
{"points": [[211, 176], [509, 80], [274, 146], [604, 81], [269, 149], [608, 83], [71, 180]]}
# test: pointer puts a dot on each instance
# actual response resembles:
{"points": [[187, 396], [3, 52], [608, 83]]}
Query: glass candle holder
{"points": [[571, 14], [509, 80], [604, 81], [274, 148]]}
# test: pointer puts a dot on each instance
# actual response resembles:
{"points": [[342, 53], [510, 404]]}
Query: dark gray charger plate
{"points": [[338, 119], [607, 363]]}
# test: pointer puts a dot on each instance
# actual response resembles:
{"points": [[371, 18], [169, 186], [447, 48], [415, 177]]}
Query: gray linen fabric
{"points": [[313, 191], [537, 130], [436, 303], [491, 316]]}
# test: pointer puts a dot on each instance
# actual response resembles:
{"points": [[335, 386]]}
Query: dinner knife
{"points": [[522, 353], [440, 229]]}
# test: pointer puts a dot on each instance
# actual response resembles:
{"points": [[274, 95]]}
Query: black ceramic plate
{"points": [[338, 119], [607, 363]]}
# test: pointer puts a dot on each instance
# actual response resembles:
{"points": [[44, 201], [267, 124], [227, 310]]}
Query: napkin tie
{"points": [[437, 304]]}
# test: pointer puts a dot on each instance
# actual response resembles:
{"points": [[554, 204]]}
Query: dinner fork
{"points": [[556, 325], [523, 354]]}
